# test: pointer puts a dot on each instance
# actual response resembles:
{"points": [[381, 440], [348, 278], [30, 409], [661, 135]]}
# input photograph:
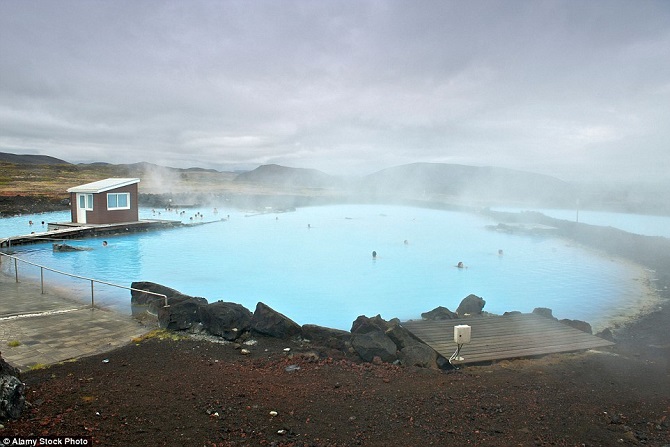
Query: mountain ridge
{"points": [[434, 181], [31, 159], [437, 182], [284, 176]]}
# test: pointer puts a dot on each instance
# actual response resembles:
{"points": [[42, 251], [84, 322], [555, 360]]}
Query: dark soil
{"points": [[195, 392], [188, 392]]}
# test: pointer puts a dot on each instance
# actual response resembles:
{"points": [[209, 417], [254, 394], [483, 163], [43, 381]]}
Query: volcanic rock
{"points": [[578, 324], [606, 334], [420, 355], [401, 336], [268, 321], [227, 320], [471, 305], [331, 338], [439, 313], [12, 392], [138, 297], [182, 315], [363, 324], [374, 344], [545, 312]]}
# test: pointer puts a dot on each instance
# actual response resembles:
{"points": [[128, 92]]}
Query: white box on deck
{"points": [[462, 334]]}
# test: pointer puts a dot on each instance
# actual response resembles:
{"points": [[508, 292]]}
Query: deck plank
{"points": [[504, 337], [65, 231]]}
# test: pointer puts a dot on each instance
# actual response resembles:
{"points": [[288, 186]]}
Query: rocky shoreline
{"points": [[23, 204], [371, 339]]}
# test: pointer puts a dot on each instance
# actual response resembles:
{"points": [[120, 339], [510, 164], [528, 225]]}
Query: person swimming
{"points": [[374, 254], [460, 264]]}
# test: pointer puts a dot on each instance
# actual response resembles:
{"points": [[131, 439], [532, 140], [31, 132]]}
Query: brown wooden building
{"points": [[113, 200]]}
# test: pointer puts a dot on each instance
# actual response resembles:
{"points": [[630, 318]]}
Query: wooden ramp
{"points": [[504, 337]]}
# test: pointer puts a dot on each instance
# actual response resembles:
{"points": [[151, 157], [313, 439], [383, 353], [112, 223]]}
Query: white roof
{"points": [[104, 185]]}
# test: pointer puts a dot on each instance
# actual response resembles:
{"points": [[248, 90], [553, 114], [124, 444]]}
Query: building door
{"points": [[84, 203]]}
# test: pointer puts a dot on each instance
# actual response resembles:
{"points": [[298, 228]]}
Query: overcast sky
{"points": [[575, 89]]}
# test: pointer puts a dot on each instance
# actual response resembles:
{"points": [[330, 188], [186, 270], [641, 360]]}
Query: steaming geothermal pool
{"points": [[315, 265]]}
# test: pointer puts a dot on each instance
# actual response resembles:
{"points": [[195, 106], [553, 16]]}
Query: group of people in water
{"points": [[182, 213]]}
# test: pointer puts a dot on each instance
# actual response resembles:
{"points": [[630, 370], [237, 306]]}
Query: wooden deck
{"points": [[64, 231], [504, 337]]}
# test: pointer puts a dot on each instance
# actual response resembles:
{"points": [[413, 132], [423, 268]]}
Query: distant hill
{"points": [[285, 177], [433, 181], [468, 183], [439, 182], [143, 166], [30, 159]]}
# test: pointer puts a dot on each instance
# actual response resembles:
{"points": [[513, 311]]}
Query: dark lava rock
{"points": [[401, 336], [12, 392], [227, 320], [545, 312], [606, 334], [268, 321], [182, 315], [374, 344], [471, 305], [363, 324], [439, 313], [331, 338], [139, 297], [578, 324], [420, 355]]}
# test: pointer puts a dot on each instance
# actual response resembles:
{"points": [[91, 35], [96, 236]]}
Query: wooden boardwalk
{"points": [[68, 230], [504, 337]]}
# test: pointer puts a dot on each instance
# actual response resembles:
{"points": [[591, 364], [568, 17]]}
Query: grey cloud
{"points": [[561, 87]]}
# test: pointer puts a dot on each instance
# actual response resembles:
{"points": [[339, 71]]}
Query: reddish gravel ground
{"points": [[166, 392]]}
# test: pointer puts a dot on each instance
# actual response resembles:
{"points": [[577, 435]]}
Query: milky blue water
{"points": [[315, 264]]}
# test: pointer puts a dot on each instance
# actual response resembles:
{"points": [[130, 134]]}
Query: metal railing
{"points": [[92, 280]]}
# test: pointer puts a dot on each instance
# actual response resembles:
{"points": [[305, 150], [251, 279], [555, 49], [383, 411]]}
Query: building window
{"points": [[118, 201], [86, 201]]}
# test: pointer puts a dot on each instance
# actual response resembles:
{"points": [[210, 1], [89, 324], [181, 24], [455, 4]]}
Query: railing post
{"points": [[92, 280]]}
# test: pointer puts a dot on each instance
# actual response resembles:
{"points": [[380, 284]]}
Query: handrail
{"points": [[42, 268]]}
